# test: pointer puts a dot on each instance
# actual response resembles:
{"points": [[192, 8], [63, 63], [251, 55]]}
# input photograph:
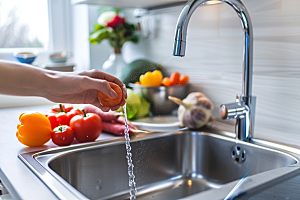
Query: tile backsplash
{"points": [[214, 60]]}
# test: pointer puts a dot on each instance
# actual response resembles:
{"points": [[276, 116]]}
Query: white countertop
{"points": [[17, 177]]}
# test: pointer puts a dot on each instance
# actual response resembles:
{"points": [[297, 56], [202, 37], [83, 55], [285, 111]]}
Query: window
{"points": [[42, 24], [45, 25], [24, 24]]}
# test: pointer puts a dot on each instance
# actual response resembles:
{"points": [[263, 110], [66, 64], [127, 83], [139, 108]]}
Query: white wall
{"points": [[214, 60]]}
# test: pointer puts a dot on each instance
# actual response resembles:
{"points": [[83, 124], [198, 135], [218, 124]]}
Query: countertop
{"points": [[23, 184], [17, 177]]}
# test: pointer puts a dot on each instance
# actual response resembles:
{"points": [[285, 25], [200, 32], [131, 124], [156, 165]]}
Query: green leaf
{"points": [[98, 27], [117, 10], [134, 38], [98, 36], [93, 42]]}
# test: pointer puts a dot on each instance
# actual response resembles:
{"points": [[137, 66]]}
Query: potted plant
{"points": [[114, 28]]}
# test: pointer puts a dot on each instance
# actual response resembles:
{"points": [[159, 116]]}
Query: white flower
{"points": [[106, 17]]}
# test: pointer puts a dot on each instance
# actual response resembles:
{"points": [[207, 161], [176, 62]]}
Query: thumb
{"points": [[98, 84]]}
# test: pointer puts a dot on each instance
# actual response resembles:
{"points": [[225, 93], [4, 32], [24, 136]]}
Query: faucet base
{"points": [[243, 110]]}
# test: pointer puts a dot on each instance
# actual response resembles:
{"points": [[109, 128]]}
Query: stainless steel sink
{"points": [[183, 164]]}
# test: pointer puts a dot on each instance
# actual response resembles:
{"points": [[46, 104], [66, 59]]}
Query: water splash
{"points": [[132, 183], [167, 60]]}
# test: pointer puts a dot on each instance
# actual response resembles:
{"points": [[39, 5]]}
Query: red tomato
{"points": [[87, 127], [58, 119], [62, 135], [74, 112], [62, 118], [60, 108]]}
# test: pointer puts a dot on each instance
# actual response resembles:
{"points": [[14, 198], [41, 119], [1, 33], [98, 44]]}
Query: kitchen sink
{"points": [[207, 164]]}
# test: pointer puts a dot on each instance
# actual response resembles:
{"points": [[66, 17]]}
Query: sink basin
{"points": [[183, 164]]}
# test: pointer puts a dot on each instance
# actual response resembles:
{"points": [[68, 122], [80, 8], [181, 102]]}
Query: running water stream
{"points": [[166, 60], [132, 183]]}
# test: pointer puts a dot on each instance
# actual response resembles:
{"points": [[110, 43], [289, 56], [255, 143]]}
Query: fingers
{"points": [[115, 108], [97, 104], [124, 91], [95, 79], [88, 83], [101, 75], [122, 103]]}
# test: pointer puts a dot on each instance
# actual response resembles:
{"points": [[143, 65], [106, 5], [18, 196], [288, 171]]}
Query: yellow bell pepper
{"points": [[34, 130], [151, 78]]}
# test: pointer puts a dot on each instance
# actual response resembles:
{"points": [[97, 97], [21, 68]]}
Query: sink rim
{"points": [[38, 162]]}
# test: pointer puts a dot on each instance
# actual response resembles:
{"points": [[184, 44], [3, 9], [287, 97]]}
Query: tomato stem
{"points": [[61, 108], [84, 114]]}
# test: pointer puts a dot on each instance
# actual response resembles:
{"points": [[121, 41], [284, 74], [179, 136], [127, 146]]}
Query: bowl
{"points": [[59, 57], [158, 97], [26, 56]]}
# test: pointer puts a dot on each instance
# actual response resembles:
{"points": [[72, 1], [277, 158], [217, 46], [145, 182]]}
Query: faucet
{"points": [[243, 110]]}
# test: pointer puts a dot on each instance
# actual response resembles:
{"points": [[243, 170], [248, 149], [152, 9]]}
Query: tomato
{"points": [[60, 108], [74, 112], [58, 119], [86, 127], [62, 118], [62, 135]]}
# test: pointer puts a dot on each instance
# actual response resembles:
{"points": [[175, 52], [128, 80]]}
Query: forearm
{"points": [[61, 87], [23, 80]]}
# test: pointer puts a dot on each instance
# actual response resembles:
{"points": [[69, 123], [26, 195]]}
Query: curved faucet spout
{"points": [[237, 5], [244, 108]]}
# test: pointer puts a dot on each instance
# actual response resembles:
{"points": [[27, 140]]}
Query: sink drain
{"points": [[238, 154]]}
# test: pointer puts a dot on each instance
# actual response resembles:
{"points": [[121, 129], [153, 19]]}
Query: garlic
{"points": [[195, 110]]}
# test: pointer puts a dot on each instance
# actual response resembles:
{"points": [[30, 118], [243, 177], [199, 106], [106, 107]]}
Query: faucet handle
{"points": [[231, 110]]}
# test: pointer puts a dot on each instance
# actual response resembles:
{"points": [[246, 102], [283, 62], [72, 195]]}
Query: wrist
{"points": [[47, 80]]}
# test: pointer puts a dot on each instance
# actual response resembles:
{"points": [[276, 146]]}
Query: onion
{"points": [[194, 111]]}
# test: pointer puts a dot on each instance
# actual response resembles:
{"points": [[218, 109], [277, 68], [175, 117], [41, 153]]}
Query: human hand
{"points": [[82, 88]]}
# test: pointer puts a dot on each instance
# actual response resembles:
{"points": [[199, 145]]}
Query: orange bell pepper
{"points": [[151, 78], [34, 130]]}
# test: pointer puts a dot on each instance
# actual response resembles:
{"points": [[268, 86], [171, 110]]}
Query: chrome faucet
{"points": [[243, 110]]}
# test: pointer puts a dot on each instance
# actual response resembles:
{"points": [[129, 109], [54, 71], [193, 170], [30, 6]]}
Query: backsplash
{"points": [[214, 60]]}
